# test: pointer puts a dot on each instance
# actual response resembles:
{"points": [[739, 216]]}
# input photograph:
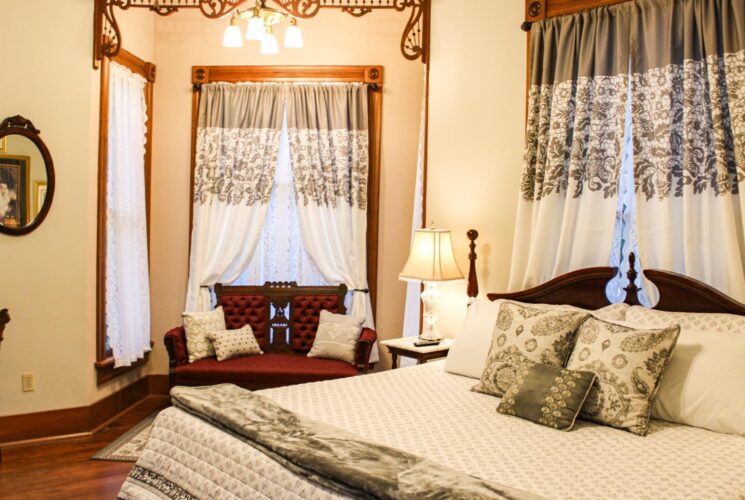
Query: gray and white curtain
{"points": [[238, 133], [576, 115], [688, 105], [327, 125]]}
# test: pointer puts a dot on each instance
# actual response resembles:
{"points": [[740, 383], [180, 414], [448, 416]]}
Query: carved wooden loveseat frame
{"points": [[284, 318]]}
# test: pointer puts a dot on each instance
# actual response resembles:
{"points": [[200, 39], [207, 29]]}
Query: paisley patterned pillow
{"points": [[524, 332], [230, 344], [629, 363], [197, 326], [547, 395]]}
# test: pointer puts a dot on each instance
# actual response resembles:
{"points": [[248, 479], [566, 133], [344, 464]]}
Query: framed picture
{"points": [[15, 191], [4, 144], [40, 194]]}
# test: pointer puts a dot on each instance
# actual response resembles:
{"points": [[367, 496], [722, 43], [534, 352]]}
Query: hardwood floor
{"points": [[64, 470]]}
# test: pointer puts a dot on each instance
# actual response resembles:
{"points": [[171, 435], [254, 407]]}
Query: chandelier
{"points": [[261, 21]]}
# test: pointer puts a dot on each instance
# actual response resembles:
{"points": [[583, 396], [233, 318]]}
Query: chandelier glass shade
{"points": [[261, 20]]}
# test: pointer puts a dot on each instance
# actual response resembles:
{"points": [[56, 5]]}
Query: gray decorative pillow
{"points": [[234, 343], [629, 363], [538, 334], [337, 336], [547, 395], [197, 326]]}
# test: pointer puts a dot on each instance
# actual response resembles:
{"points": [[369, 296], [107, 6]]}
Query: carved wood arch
{"points": [[107, 35]]}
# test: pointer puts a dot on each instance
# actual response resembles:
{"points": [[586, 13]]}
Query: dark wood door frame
{"points": [[372, 75]]}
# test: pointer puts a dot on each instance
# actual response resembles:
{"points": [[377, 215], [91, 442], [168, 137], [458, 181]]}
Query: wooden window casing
{"points": [[105, 370], [372, 75]]}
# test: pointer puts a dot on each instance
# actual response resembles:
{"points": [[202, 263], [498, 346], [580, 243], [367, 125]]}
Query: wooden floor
{"points": [[65, 470]]}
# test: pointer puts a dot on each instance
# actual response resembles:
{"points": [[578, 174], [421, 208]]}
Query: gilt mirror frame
{"points": [[18, 125]]}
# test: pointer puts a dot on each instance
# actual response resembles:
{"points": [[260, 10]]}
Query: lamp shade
{"points": [[269, 43], [255, 29], [431, 258], [233, 37], [293, 36]]}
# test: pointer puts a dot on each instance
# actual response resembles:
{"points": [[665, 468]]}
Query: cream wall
{"points": [[331, 38], [47, 280], [476, 123]]}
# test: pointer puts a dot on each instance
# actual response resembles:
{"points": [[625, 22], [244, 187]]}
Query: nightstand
{"points": [[405, 347]]}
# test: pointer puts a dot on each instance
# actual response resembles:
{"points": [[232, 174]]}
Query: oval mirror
{"points": [[26, 177]]}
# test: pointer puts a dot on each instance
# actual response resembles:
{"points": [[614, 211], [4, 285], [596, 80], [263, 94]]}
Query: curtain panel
{"points": [[127, 270], [576, 113], [238, 132], [327, 126], [688, 105]]}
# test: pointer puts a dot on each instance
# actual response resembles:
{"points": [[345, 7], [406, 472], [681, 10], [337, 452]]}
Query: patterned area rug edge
{"points": [[127, 447]]}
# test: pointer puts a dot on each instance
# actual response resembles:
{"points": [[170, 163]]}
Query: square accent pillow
{"points": [[337, 336], [629, 363], [708, 322], [547, 395], [538, 334], [197, 326], [234, 343]]}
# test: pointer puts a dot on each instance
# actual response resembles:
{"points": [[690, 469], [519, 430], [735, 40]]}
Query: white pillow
{"points": [[471, 345], [230, 344], [197, 326], [337, 336], [707, 322], [704, 384]]}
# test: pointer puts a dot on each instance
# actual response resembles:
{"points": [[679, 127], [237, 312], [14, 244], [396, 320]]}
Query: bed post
{"points": [[632, 291], [473, 280]]}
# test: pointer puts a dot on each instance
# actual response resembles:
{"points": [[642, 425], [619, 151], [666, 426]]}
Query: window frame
{"points": [[104, 364], [372, 75]]}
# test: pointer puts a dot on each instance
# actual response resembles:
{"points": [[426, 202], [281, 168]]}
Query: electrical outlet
{"points": [[27, 382]]}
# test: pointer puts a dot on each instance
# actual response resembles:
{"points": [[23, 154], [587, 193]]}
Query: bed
{"points": [[431, 413]]}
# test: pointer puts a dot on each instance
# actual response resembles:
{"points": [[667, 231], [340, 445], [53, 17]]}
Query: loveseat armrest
{"points": [[364, 348], [175, 341]]}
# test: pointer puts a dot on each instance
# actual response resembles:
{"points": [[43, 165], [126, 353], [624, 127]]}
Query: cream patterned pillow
{"points": [[629, 363], [337, 336], [538, 334], [234, 343], [613, 312], [197, 326], [712, 322]]}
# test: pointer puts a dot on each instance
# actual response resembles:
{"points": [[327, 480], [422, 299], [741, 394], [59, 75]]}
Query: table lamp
{"points": [[431, 261]]}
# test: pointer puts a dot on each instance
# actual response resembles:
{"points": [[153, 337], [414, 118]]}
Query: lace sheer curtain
{"points": [[280, 254], [127, 272]]}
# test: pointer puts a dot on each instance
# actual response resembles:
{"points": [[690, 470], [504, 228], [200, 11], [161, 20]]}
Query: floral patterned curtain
{"points": [[238, 134], [576, 112], [688, 106]]}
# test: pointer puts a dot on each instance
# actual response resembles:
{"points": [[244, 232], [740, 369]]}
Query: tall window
{"points": [[124, 170]]}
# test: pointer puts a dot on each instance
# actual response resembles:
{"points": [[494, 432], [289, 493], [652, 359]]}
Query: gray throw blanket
{"points": [[331, 457]]}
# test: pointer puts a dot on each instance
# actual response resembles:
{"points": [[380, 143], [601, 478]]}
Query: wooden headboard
{"points": [[586, 288]]}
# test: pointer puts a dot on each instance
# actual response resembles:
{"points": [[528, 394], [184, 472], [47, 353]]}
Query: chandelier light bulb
{"points": [[293, 36], [255, 29], [233, 37], [269, 43]]}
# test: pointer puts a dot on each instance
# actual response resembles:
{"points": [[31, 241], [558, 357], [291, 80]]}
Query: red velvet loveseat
{"points": [[284, 318]]}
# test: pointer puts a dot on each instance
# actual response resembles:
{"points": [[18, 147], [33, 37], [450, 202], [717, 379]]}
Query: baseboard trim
{"points": [[80, 422]]}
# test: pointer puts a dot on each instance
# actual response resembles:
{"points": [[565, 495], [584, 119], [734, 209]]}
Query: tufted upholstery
{"points": [[262, 371], [241, 310], [304, 315]]}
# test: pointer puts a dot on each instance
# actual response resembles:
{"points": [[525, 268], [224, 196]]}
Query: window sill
{"points": [[106, 372]]}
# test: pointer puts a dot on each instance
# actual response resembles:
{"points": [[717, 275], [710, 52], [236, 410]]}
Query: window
{"points": [[123, 299]]}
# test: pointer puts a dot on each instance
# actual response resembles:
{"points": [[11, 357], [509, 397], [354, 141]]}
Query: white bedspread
{"points": [[429, 412]]}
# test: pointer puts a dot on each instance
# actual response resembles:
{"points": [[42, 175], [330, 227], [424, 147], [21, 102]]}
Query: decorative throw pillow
{"points": [[613, 312], [709, 322], [629, 363], [523, 332], [547, 395], [234, 343], [197, 326], [337, 336]]}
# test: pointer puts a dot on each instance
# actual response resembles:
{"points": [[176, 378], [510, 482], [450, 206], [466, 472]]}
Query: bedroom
{"points": [[476, 116]]}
